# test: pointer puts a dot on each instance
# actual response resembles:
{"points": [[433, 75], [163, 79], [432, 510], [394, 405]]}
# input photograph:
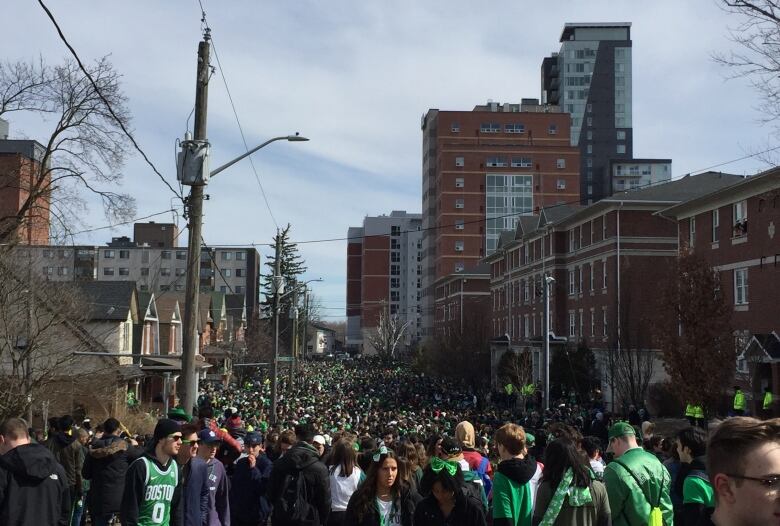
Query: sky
{"points": [[356, 78]]}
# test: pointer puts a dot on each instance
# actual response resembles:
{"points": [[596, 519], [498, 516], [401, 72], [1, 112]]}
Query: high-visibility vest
{"points": [[690, 411], [768, 398], [739, 400], [698, 412]]}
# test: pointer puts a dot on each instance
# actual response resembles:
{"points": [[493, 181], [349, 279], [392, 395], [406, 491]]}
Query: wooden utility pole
{"points": [[195, 212], [277, 290]]}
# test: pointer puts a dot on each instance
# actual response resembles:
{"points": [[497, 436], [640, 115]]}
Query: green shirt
{"points": [[698, 491], [155, 510], [512, 500], [767, 400]]}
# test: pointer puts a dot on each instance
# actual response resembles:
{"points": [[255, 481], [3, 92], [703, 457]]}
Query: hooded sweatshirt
{"points": [[512, 502], [67, 451], [303, 458], [33, 488]]}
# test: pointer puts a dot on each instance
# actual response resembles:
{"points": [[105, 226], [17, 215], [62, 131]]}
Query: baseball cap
{"points": [[207, 436], [252, 439], [450, 446], [319, 439], [621, 429]]}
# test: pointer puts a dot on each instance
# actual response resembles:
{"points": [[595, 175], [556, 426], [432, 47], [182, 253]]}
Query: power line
{"points": [[105, 101], [128, 222]]}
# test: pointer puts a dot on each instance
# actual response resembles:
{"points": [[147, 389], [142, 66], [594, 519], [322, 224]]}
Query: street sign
{"points": [[285, 358]]}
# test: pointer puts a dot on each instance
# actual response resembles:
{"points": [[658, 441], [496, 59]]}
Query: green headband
{"points": [[438, 464]]}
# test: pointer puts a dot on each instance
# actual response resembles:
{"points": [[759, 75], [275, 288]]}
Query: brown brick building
{"points": [[607, 260], [462, 298], [482, 169], [734, 229], [20, 176]]}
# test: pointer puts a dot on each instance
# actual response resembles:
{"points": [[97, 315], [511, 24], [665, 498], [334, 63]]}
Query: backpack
{"points": [[482, 471], [293, 507], [656, 517]]}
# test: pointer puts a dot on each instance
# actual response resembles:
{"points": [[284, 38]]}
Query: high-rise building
{"points": [[482, 170], [590, 78], [384, 273]]}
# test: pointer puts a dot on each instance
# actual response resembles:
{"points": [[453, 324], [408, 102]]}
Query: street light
{"points": [[548, 281], [291, 138]]}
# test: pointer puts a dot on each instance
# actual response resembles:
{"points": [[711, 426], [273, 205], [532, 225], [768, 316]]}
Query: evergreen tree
{"points": [[291, 266]]}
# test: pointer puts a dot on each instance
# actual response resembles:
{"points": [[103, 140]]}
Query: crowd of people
{"points": [[375, 443]]}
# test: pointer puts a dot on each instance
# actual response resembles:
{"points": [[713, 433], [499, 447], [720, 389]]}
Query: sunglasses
{"points": [[175, 438], [191, 442], [772, 482]]}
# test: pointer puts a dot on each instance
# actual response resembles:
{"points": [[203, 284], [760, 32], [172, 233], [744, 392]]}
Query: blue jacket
{"points": [[249, 491], [196, 492]]}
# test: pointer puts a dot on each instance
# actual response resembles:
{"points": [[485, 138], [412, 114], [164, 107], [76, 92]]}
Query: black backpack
{"points": [[293, 507]]}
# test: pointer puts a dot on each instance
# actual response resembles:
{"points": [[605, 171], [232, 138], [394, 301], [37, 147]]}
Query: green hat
{"points": [[177, 413], [621, 429], [530, 439]]}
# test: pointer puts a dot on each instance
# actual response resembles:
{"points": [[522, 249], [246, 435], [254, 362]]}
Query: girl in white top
{"points": [[345, 476]]}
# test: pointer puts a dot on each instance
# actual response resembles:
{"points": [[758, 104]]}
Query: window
{"points": [[240, 273], [181, 255], [107, 271], [459, 182], [525, 326], [459, 246], [107, 254], [165, 254], [592, 322], [740, 218], [395, 244], [165, 288], [621, 148], [572, 324], [740, 286], [395, 257], [572, 241], [561, 184], [165, 272], [180, 271], [62, 271], [692, 231], [592, 276], [459, 224], [561, 163], [579, 281], [124, 254], [395, 295], [459, 161], [227, 256], [238, 289], [572, 286], [124, 271], [514, 128], [143, 288], [590, 135], [179, 287], [454, 127], [590, 148], [395, 270], [715, 226], [604, 226], [223, 288], [490, 127], [240, 256], [496, 162], [621, 135], [226, 272], [144, 271], [522, 162], [395, 283], [604, 322], [459, 203], [552, 129], [144, 256], [395, 230], [604, 274]]}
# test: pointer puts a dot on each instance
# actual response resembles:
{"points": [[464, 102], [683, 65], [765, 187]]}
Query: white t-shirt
{"points": [[342, 488], [534, 483], [597, 466], [388, 515]]}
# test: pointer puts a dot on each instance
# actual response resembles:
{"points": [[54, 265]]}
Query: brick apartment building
{"points": [[482, 170], [607, 260], [462, 299], [20, 169], [383, 272], [734, 229]]}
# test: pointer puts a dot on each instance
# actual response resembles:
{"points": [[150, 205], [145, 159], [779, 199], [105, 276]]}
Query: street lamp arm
{"points": [[292, 138], [299, 286]]}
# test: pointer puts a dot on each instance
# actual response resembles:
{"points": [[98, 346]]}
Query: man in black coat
{"points": [[33, 485], [249, 504], [300, 460], [105, 466]]}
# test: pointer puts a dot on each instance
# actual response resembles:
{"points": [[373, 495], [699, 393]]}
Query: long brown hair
{"points": [[343, 455], [366, 493]]}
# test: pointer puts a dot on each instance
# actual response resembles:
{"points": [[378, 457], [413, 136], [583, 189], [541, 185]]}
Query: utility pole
{"points": [[546, 336], [305, 343], [294, 348], [277, 290], [195, 211]]}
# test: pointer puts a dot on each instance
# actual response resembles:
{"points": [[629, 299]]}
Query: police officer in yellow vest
{"points": [[768, 400], [739, 401], [695, 414]]}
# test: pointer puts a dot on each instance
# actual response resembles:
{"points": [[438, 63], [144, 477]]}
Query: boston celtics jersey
{"points": [[155, 510]]}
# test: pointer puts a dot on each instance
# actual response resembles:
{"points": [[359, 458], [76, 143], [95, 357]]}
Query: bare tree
{"points": [[83, 153], [516, 368], [390, 329]]}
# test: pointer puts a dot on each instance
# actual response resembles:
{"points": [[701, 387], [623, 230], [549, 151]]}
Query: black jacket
{"points": [[105, 467], [303, 457], [33, 488], [67, 451], [249, 491], [406, 502], [465, 513]]}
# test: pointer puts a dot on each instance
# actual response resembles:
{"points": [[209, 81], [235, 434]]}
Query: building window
{"points": [[240, 273], [62, 271], [592, 322], [459, 182], [459, 161], [604, 227], [226, 272], [572, 241], [489, 127], [552, 129], [592, 276], [522, 162], [181, 255], [395, 270], [165, 272], [514, 128], [621, 135], [395, 257], [165, 254], [459, 246], [561, 184], [590, 121], [459, 224], [107, 271], [572, 324], [459, 203], [395, 230], [238, 289], [692, 231], [604, 323], [740, 286], [590, 148], [395, 295], [143, 288], [715, 226], [107, 254], [124, 254], [740, 218], [223, 288], [572, 286], [226, 256], [395, 244], [621, 148], [180, 271], [604, 274], [179, 287], [395, 283], [240, 256], [496, 162], [561, 163], [124, 271], [455, 127]]}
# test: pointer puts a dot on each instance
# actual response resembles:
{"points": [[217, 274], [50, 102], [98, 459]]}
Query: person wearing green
{"points": [[152, 494], [512, 500], [739, 401], [692, 481], [768, 400], [637, 483]]}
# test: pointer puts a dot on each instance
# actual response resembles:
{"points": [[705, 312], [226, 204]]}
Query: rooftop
{"points": [[569, 27]]}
